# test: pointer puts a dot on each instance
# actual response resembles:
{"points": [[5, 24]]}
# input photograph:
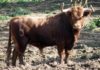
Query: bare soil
{"points": [[86, 56]]}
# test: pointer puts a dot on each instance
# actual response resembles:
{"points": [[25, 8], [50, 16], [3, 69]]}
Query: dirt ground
{"points": [[83, 57]]}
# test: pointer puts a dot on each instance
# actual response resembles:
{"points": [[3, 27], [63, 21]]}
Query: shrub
{"points": [[19, 11], [3, 17], [93, 24]]}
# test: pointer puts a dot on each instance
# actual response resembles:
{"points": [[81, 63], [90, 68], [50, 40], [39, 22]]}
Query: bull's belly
{"points": [[43, 42], [39, 44]]}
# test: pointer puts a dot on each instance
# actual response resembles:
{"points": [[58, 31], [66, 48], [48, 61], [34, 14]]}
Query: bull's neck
{"points": [[66, 21]]}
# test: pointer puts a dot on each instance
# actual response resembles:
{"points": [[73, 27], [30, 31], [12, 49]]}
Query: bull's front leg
{"points": [[66, 55], [76, 40], [61, 53], [68, 47], [42, 55], [76, 36]]}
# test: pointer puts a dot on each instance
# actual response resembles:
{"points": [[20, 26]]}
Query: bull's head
{"points": [[77, 15]]}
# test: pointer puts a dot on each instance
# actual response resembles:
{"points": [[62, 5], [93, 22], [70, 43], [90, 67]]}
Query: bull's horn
{"points": [[85, 3], [62, 7], [75, 3], [65, 10], [92, 8], [71, 1]]}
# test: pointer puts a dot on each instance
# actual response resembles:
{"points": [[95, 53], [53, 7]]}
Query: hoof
{"points": [[7, 63]]}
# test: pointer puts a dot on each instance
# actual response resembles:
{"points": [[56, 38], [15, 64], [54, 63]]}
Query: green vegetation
{"points": [[11, 8], [3, 17], [9, 1], [93, 24], [19, 11]]}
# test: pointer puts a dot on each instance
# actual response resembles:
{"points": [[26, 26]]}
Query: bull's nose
{"points": [[77, 26]]}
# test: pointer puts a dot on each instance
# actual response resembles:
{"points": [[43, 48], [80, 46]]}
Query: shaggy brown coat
{"points": [[62, 30]]}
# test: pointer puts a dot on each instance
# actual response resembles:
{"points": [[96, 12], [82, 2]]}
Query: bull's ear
{"points": [[87, 13], [67, 11]]}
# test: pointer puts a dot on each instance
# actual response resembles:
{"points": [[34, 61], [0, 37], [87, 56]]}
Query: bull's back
{"points": [[39, 31], [34, 31]]}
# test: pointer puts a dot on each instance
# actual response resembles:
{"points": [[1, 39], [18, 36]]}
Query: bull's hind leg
{"points": [[14, 57], [21, 61], [8, 53], [22, 47], [21, 54], [18, 52], [15, 51], [9, 49]]}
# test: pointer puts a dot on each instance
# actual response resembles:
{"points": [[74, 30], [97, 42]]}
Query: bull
{"points": [[61, 30]]}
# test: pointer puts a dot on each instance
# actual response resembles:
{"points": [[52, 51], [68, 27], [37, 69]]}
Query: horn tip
{"points": [[92, 8]]}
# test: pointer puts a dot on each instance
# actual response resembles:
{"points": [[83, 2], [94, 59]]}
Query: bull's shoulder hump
{"points": [[37, 20]]}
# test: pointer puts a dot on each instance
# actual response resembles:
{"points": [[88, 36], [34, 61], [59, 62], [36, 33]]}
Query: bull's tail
{"points": [[9, 48]]}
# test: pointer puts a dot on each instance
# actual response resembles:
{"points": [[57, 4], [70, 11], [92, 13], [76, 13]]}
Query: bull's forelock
{"points": [[72, 8], [75, 11]]}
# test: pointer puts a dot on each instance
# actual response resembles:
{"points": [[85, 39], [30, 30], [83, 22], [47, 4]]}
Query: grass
{"points": [[3, 17], [8, 10], [19, 11], [10, 1], [93, 24], [11, 8], [14, 12]]}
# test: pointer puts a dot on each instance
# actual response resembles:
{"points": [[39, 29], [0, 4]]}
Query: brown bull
{"points": [[61, 30]]}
